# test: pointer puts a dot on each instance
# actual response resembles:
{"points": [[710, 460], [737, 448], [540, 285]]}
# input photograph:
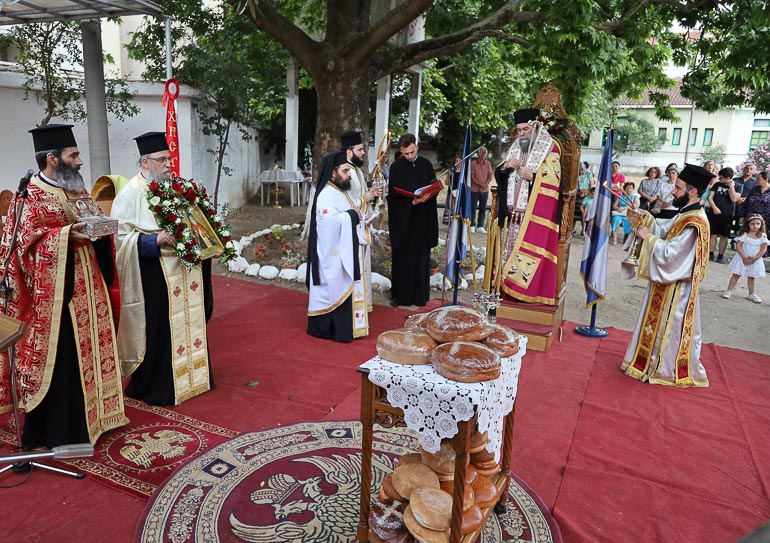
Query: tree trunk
{"points": [[343, 105], [224, 137]]}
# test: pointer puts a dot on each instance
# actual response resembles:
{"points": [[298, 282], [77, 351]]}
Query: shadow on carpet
{"points": [[301, 483]]}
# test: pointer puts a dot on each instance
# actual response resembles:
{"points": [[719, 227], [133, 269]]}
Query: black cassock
{"points": [[413, 231], [153, 381]]}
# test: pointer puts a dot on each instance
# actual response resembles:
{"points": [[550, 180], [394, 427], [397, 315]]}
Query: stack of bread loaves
{"points": [[416, 499], [456, 340]]}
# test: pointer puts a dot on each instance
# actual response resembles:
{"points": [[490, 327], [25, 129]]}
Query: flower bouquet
{"points": [[180, 205]]}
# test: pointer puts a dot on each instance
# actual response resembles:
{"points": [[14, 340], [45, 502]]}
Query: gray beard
{"points": [[70, 179]]}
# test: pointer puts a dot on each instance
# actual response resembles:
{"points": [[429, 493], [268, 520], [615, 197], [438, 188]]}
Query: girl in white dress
{"points": [[752, 243]]}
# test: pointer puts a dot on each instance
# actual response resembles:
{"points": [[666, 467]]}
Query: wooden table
{"points": [[375, 408]]}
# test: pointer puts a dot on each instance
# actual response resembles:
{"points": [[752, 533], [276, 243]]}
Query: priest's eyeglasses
{"points": [[160, 159]]}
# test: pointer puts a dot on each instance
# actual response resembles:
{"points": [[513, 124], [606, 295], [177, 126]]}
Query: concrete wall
{"points": [[20, 115]]}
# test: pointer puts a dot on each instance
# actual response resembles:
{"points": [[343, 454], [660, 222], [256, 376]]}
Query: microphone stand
{"points": [[21, 465]]}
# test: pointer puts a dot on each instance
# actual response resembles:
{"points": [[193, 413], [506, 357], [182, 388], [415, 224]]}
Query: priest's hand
{"points": [[642, 232], [421, 199], [165, 240], [525, 173], [636, 216], [513, 163], [76, 235], [371, 194]]}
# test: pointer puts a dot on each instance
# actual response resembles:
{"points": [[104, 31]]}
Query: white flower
{"points": [[217, 218], [180, 246], [166, 203], [230, 245], [155, 200], [225, 233]]}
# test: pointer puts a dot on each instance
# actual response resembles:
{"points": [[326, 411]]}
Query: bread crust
{"points": [[502, 340], [457, 323], [431, 507], [405, 347], [466, 362], [410, 476]]}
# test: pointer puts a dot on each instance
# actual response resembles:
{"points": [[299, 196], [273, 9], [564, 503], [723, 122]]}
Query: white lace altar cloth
{"points": [[433, 404]]}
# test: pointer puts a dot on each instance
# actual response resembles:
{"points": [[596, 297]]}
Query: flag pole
{"points": [[592, 330]]}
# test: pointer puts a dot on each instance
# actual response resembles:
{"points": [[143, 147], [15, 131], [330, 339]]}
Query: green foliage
{"points": [[48, 56], [634, 134], [238, 72], [731, 60], [717, 153]]}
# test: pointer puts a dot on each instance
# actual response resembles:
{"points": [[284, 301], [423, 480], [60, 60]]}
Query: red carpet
{"points": [[614, 459]]}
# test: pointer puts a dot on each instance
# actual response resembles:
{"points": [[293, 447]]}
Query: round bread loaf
{"points": [[457, 323], [418, 322], [386, 518], [471, 473], [481, 457], [443, 461], [410, 458], [466, 362], [410, 476], [473, 519], [502, 340], [420, 532], [484, 491], [489, 472], [478, 441], [389, 490], [431, 507], [405, 346]]}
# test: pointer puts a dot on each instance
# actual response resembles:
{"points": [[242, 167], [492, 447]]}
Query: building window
{"points": [[662, 135], [584, 141], [761, 123], [693, 136], [708, 137], [676, 138], [758, 137]]}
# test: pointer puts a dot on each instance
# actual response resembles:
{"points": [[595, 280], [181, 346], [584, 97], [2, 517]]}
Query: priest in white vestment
{"points": [[164, 306], [337, 307], [353, 145], [666, 344]]}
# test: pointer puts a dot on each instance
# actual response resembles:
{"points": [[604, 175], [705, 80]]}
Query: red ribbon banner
{"points": [[170, 94]]}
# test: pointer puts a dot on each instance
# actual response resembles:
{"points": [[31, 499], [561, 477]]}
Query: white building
{"points": [[196, 162], [737, 130]]}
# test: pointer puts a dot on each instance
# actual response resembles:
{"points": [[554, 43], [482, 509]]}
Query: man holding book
{"points": [[413, 224]]}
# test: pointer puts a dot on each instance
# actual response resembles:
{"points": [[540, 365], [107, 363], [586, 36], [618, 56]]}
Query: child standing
{"points": [[752, 243]]}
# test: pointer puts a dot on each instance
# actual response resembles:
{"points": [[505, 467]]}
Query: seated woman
{"points": [[619, 208]]}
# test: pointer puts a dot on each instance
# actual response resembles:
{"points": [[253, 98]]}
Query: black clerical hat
{"points": [[696, 176], [525, 115], [151, 142], [350, 139], [52, 137]]}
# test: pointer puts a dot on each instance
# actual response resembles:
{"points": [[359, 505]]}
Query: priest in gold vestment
{"points": [[67, 373], [666, 343], [164, 306]]}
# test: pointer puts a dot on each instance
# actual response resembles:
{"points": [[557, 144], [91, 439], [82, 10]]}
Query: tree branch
{"points": [[400, 58], [681, 7], [301, 46], [390, 24]]}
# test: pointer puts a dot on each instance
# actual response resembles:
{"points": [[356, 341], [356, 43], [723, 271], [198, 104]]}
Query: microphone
{"points": [[25, 181]]}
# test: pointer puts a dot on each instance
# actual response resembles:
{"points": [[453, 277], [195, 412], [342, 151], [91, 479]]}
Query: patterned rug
{"points": [[301, 483], [141, 455]]}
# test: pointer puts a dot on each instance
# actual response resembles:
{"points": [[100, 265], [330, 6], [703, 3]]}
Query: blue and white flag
{"points": [[593, 266], [458, 242]]}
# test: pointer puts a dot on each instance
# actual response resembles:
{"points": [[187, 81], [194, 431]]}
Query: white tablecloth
{"points": [[433, 404], [281, 176]]}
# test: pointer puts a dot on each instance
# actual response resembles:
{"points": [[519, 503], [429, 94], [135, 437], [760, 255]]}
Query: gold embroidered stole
{"points": [[93, 325], [360, 302], [187, 319], [664, 299]]}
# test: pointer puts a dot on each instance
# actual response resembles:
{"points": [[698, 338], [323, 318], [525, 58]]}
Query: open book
{"points": [[428, 191]]}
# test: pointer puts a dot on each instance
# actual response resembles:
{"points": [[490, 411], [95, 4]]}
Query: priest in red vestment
{"points": [[67, 373]]}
